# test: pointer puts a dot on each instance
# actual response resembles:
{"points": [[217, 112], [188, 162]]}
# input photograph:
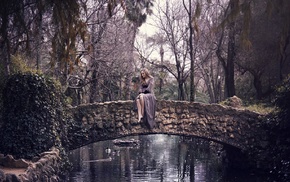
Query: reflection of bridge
{"points": [[227, 125]]}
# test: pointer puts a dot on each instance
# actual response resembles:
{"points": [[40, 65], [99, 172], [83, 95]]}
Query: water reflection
{"points": [[157, 158]]}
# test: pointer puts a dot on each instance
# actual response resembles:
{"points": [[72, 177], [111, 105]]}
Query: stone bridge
{"points": [[223, 124]]}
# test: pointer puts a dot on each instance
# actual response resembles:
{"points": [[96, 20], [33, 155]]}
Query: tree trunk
{"points": [[93, 87], [192, 89], [94, 64], [230, 68], [228, 63], [161, 72], [258, 86], [128, 77], [181, 90], [283, 56], [5, 45], [39, 37]]}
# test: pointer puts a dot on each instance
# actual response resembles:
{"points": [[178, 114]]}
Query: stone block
{"points": [[12, 178], [9, 161], [2, 175]]}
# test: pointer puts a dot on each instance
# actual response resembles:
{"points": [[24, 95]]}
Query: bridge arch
{"points": [[223, 124]]}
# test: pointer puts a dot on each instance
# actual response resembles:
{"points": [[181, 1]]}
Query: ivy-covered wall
{"points": [[278, 127], [33, 116]]}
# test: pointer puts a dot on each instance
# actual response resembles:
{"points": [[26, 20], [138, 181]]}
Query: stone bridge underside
{"points": [[223, 124]]}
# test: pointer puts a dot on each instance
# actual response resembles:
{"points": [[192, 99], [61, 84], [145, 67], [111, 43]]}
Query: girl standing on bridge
{"points": [[146, 101]]}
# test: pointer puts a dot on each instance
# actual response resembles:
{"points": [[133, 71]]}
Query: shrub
{"points": [[33, 119], [17, 65], [282, 101]]}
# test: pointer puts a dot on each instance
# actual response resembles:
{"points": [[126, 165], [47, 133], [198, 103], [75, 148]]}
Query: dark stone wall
{"points": [[44, 168]]}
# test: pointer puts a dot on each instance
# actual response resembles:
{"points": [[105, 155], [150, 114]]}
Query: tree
{"points": [[10, 12], [19, 17], [262, 50], [184, 52], [259, 59], [171, 22], [191, 20], [108, 53], [227, 57], [68, 26]]}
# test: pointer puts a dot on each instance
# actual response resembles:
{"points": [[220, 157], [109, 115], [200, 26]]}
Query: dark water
{"points": [[157, 158]]}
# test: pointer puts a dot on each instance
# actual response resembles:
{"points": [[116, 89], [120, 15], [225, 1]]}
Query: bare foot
{"points": [[139, 121]]}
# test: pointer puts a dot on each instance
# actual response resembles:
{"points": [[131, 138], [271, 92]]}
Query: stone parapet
{"points": [[225, 124], [43, 168]]}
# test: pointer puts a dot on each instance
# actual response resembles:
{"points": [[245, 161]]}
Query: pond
{"points": [[153, 158]]}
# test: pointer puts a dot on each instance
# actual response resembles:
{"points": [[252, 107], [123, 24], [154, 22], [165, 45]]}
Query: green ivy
{"points": [[282, 99], [33, 116]]}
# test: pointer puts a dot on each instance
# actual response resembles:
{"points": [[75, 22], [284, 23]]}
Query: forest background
{"points": [[203, 51]]}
